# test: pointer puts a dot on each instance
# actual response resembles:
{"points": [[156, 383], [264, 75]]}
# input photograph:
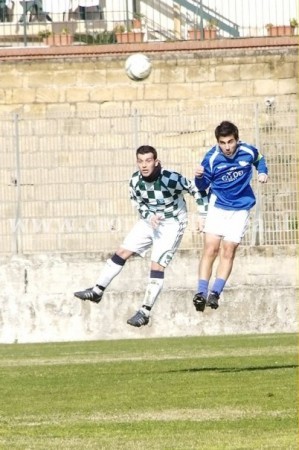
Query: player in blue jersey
{"points": [[158, 195], [226, 170]]}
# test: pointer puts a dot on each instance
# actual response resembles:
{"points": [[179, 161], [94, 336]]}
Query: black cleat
{"points": [[213, 300], [199, 301], [89, 294], [138, 319]]}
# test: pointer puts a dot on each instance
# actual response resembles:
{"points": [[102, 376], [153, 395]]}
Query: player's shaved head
{"points": [[144, 149]]}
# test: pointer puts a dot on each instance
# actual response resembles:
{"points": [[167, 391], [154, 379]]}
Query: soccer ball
{"points": [[138, 67]]}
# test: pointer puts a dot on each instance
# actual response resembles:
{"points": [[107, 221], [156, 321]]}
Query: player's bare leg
{"points": [[226, 259]]}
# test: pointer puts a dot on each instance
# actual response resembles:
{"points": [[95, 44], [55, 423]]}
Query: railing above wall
{"points": [[211, 17], [162, 20]]}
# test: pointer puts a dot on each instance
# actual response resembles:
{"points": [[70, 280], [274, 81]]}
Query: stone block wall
{"points": [[179, 79]]}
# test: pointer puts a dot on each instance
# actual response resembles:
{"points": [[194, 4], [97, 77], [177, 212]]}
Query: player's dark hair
{"points": [[226, 128], [146, 149]]}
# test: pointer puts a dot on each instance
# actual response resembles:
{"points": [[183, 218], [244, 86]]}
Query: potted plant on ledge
{"points": [[44, 35], [194, 34], [127, 36], [282, 30], [209, 31], [293, 24], [137, 21], [55, 39]]}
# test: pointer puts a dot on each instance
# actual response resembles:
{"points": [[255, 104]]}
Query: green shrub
{"points": [[106, 37]]}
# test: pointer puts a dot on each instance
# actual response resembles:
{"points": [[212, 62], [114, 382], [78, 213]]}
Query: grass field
{"points": [[232, 392]]}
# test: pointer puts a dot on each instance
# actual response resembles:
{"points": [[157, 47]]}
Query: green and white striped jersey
{"points": [[165, 195]]}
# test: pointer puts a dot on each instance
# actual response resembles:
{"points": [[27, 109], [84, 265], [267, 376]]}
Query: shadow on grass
{"points": [[235, 369]]}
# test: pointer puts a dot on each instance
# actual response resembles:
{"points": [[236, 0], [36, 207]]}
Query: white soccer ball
{"points": [[138, 67]]}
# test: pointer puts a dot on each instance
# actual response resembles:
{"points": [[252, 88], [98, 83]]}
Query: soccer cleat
{"points": [[199, 301], [138, 319], [89, 294], [213, 300]]}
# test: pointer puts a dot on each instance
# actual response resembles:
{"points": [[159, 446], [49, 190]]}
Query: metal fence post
{"points": [[17, 181], [135, 129], [258, 225], [25, 22]]}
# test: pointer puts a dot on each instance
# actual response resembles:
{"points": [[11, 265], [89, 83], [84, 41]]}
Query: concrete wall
{"points": [[37, 303]]}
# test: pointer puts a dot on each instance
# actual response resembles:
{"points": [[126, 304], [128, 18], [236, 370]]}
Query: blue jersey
{"points": [[229, 177]]}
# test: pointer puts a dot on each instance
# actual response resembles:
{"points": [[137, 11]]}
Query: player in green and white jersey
{"points": [[158, 195]]}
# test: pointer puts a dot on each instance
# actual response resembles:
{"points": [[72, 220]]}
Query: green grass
{"points": [[233, 392]]}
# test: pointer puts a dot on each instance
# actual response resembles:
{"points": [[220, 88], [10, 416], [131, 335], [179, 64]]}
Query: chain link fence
{"points": [[64, 179]]}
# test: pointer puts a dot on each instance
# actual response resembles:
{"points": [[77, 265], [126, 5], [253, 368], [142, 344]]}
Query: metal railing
{"points": [[161, 20], [64, 179]]}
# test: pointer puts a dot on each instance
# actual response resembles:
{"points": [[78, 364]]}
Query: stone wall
{"points": [[182, 76]]}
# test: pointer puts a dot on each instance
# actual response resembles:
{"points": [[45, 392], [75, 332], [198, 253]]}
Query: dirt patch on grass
{"points": [[97, 357], [170, 415]]}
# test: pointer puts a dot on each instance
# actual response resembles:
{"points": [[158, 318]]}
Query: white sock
{"points": [[152, 291], [97, 290], [109, 271]]}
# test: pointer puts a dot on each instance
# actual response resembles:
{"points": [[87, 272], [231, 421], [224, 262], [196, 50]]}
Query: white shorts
{"points": [[230, 225], [164, 240]]}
